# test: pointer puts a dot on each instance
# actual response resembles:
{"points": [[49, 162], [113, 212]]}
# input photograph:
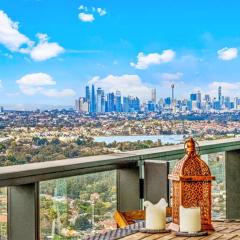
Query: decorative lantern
{"points": [[191, 186]]}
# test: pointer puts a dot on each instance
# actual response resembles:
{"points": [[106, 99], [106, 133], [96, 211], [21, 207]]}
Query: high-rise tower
{"points": [[219, 93], [172, 86], [87, 94], [154, 95], [110, 102], [199, 99], [118, 101], [93, 100], [100, 105]]}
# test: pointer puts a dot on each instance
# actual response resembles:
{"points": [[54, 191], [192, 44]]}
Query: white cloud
{"points": [[128, 85], [32, 84], [62, 93], [101, 11], [89, 14], [10, 36], [86, 17], [15, 41], [45, 50], [38, 83], [144, 61], [36, 79], [228, 88], [43, 37], [227, 54], [82, 7], [1, 86], [172, 76]]}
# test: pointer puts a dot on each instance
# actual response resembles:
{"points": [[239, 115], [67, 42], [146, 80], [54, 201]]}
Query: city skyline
{"points": [[49, 50], [98, 101]]}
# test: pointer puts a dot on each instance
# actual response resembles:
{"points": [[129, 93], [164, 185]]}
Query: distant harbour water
{"points": [[171, 139]]}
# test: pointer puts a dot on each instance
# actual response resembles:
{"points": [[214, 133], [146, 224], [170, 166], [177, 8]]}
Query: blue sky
{"points": [[50, 49]]}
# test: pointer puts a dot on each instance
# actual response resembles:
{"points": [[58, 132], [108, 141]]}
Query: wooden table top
{"points": [[223, 231]]}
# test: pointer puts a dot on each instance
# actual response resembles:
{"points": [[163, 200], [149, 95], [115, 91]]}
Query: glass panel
{"points": [[71, 208], [3, 213], [216, 162], [171, 166]]}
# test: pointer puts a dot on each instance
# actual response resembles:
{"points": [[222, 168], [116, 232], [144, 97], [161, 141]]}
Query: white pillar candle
{"points": [[155, 218], [190, 219]]}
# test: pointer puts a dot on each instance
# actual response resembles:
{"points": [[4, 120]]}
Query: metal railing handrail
{"points": [[36, 172]]}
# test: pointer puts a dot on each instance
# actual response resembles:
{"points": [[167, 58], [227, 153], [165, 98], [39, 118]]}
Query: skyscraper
{"points": [[100, 106], [219, 93], [103, 102], [98, 99], [134, 104], [220, 97], [167, 101], [216, 104], [227, 102], [172, 86], [236, 103], [87, 94], [154, 95], [118, 101], [83, 105], [93, 100], [199, 99], [110, 102], [193, 97], [150, 106], [77, 105], [193, 101], [125, 104], [207, 98]]}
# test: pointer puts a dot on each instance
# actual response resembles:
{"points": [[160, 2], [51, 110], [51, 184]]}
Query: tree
{"points": [[80, 142], [55, 141], [83, 222], [40, 141], [2, 147]]}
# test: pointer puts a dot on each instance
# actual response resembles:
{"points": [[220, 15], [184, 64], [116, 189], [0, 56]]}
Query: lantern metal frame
{"points": [[191, 186]]}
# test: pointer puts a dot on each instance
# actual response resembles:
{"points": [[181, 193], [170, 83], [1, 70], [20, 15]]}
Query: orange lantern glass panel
{"points": [[191, 186]]}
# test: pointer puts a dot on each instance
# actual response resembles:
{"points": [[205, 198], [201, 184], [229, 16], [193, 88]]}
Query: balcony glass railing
{"points": [[77, 197], [74, 207], [84, 205], [216, 162], [3, 213]]}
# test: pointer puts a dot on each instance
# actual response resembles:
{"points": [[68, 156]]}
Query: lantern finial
{"points": [[190, 146]]}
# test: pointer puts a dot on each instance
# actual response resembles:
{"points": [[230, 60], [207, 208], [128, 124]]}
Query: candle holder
{"points": [[193, 234], [152, 231], [191, 187]]}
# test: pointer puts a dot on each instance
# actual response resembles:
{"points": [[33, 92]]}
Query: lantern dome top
{"points": [[191, 164]]}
